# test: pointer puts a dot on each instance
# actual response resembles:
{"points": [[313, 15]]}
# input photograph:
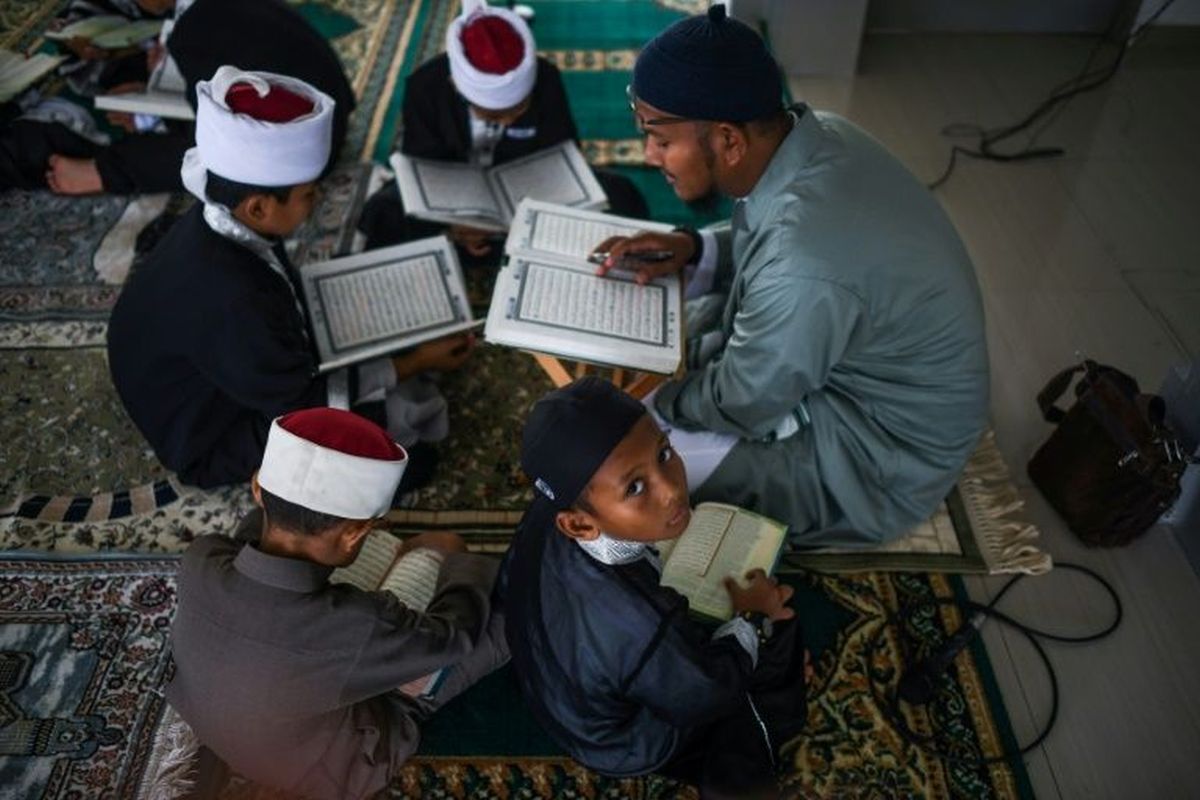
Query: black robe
{"points": [[618, 674], [437, 126], [265, 35], [206, 346], [437, 123], [262, 35]]}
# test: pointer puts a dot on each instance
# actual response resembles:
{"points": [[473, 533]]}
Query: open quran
{"points": [[411, 577], [548, 298], [165, 94], [108, 31], [88, 27], [380, 301], [478, 197], [720, 541], [18, 72]]}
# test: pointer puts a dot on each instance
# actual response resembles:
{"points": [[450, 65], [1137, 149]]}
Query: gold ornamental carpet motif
{"points": [[83, 658]]}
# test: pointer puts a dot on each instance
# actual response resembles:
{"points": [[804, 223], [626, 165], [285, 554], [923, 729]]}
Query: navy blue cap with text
{"points": [[570, 432]]}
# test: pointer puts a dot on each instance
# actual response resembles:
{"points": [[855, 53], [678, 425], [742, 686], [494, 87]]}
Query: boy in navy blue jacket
{"points": [[607, 658]]}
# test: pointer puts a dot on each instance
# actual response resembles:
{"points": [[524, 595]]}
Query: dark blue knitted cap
{"points": [[570, 432], [709, 67]]}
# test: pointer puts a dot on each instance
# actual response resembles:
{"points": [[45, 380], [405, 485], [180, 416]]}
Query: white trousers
{"points": [[702, 451]]}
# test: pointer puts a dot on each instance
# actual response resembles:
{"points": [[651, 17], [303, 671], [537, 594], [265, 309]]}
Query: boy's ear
{"points": [[354, 532], [576, 524], [349, 536], [258, 206]]}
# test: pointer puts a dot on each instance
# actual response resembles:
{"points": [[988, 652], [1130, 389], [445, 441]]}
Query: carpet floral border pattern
{"points": [[850, 745], [83, 652], [99, 628]]}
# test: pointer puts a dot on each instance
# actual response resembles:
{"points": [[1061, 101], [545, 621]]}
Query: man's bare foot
{"points": [[73, 176]]}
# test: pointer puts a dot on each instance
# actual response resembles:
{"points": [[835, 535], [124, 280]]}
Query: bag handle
{"points": [[1055, 388], [1153, 409], [1150, 408]]}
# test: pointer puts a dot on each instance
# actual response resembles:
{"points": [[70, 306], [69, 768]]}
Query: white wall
{"points": [[1029, 16], [813, 37], [992, 16], [1181, 12]]}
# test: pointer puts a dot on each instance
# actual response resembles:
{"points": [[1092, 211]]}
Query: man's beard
{"points": [[707, 202]]}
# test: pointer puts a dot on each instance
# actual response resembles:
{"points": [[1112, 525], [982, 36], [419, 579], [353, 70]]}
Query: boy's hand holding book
{"points": [[441, 355], [154, 56], [763, 595], [84, 50], [721, 544], [627, 252], [123, 119], [442, 542]]}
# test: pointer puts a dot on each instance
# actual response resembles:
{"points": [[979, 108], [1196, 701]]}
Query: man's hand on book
{"points": [[623, 254], [764, 595], [442, 355]]}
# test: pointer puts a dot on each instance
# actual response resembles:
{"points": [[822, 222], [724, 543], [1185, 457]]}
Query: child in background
{"points": [[209, 340]]}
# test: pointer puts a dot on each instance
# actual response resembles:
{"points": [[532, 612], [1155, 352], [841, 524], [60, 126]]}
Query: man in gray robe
{"points": [[837, 367]]}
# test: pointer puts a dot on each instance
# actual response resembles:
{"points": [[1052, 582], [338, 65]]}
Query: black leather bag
{"points": [[1111, 467]]}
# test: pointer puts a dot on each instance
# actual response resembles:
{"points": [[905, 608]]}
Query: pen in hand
{"points": [[653, 256]]}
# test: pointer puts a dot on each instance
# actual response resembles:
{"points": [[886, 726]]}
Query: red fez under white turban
{"points": [[493, 59], [262, 129], [332, 461]]}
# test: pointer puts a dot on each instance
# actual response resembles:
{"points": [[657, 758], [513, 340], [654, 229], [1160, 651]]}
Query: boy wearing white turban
{"points": [[209, 340], [267, 35], [290, 678], [487, 100]]}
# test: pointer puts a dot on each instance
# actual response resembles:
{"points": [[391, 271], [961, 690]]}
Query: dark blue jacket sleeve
{"points": [[688, 679]]}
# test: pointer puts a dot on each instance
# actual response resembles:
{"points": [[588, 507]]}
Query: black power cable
{"points": [[890, 703], [1085, 81]]}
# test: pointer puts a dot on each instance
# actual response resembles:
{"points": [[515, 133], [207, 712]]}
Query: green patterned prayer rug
{"points": [[83, 657], [22, 21], [849, 748]]}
